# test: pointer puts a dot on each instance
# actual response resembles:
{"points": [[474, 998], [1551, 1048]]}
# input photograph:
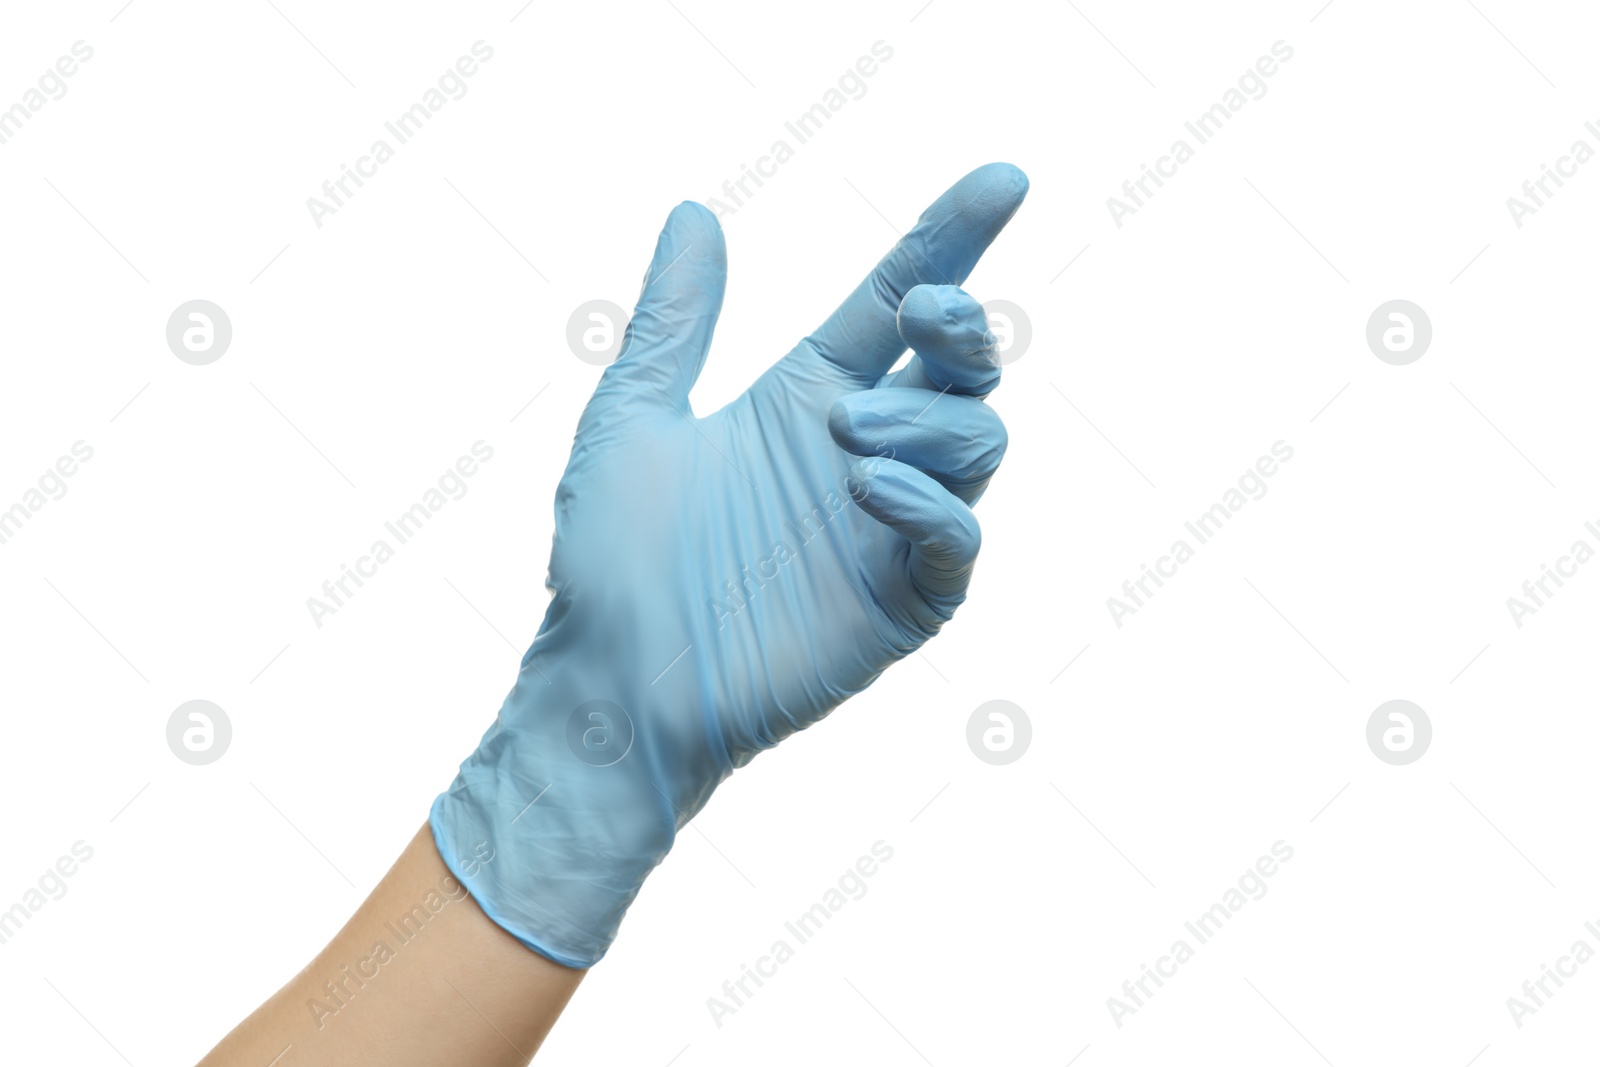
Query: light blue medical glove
{"points": [[721, 582]]}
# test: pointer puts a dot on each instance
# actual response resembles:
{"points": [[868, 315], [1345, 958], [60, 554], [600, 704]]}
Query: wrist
{"points": [[556, 819]]}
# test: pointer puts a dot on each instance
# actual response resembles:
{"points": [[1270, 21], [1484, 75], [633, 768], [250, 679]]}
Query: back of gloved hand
{"points": [[721, 582]]}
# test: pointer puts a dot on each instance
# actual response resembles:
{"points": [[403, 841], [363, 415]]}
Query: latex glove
{"points": [[721, 582]]}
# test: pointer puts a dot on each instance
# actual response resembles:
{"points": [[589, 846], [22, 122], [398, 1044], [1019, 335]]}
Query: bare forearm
{"points": [[419, 975]]}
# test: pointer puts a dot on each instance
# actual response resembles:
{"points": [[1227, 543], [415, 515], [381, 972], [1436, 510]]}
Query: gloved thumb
{"points": [[667, 339]]}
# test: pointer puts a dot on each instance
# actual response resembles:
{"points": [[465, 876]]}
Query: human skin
{"points": [[461, 991]]}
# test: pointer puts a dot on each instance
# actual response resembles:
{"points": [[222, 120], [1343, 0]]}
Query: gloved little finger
{"points": [[943, 533]]}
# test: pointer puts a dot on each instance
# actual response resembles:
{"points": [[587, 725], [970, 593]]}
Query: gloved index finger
{"points": [[860, 337]]}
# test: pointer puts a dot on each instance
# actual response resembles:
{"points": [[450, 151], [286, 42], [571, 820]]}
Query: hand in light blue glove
{"points": [[721, 582]]}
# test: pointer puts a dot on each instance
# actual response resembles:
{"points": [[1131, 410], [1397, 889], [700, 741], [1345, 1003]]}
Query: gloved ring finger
{"points": [[957, 440]]}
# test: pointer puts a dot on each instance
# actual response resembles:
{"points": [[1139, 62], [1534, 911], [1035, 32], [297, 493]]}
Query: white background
{"points": [[1222, 317]]}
